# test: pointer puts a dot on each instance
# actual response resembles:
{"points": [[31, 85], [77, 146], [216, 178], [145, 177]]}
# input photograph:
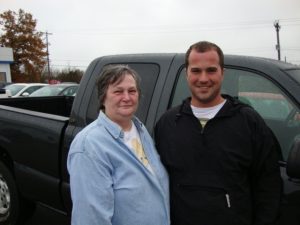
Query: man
{"points": [[221, 157]]}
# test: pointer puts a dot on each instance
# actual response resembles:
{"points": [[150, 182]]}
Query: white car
{"points": [[4, 93], [65, 89], [23, 89]]}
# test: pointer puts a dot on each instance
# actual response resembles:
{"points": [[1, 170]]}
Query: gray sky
{"points": [[84, 30]]}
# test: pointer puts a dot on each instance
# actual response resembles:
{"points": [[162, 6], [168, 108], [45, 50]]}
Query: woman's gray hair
{"points": [[112, 74]]}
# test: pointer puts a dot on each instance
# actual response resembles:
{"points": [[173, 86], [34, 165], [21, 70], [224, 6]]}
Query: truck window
{"points": [[278, 111], [149, 74]]}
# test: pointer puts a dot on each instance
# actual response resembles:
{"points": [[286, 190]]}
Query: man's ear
{"points": [[223, 72]]}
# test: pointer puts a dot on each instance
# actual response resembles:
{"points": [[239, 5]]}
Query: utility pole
{"points": [[47, 44], [277, 27]]}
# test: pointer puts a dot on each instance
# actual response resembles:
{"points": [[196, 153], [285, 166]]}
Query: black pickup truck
{"points": [[35, 133]]}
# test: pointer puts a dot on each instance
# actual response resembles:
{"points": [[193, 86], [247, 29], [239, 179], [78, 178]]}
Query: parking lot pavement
{"points": [[46, 216]]}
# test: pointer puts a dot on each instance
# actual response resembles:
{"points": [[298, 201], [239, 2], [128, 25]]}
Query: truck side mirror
{"points": [[293, 162]]}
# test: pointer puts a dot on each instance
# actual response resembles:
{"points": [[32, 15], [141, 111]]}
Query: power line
{"points": [[165, 29]]}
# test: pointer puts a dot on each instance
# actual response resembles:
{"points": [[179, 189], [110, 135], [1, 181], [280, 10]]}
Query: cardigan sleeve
{"points": [[90, 180]]}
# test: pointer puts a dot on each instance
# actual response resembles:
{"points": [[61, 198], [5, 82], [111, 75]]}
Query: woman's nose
{"points": [[126, 95]]}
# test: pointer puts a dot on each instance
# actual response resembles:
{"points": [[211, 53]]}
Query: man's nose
{"points": [[203, 77]]}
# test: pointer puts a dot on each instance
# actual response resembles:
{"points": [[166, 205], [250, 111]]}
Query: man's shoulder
{"points": [[253, 118], [236, 105], [168, 119], [171, 113], [250, 112]]}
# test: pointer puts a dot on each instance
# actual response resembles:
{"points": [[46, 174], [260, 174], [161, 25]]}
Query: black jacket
{"points": [[226, 173]]}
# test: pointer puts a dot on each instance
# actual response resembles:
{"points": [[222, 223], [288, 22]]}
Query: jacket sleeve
{"points": [[91, 186], [157, 134], [159, 131], [265, 177]]}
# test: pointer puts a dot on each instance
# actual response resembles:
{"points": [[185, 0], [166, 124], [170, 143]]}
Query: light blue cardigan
{"points": [[109, 185]]}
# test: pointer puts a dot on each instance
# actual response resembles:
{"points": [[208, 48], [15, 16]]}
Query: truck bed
{"points": [[56, 105], [32, 131]]}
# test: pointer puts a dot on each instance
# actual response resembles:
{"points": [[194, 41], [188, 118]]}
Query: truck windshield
{"points": [[295, 73]]}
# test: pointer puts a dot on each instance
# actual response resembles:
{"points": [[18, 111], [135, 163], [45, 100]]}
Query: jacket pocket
{"points": [[201, 204], [214, 196]]}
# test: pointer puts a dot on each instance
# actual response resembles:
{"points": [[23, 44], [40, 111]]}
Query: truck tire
{"points": [[9, 197]]}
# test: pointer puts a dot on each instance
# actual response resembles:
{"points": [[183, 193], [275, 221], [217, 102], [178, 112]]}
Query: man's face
{"points": [[204, 77]]}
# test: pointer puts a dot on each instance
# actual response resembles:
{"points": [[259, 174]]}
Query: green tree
{"points": [[64, 75], [29, 50], [70, 75]]}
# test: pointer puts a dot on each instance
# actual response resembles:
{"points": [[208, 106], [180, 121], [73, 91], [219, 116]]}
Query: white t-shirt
{"points": [[133, 141], [205, 114]]}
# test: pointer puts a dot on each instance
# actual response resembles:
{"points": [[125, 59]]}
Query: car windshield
{"points": [[14, 88], [51, 90], [295, 73]]}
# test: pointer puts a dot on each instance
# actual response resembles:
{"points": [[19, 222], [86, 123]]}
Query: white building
{"points": [[6, 58]]}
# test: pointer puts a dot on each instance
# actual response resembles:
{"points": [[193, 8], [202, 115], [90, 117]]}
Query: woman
{"points": [[116, 176]]}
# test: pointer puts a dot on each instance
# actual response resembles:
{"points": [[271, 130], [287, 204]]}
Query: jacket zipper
{"points": [[228, 200], [202, 131], [203, 127]]}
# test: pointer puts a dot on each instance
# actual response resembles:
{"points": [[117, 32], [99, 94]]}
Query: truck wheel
{"points": [[9, 197]]}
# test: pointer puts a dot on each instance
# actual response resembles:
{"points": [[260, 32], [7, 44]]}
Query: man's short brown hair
{"points": [[204, 46]]}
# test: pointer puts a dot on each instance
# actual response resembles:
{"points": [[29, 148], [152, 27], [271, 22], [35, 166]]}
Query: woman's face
{"points": [[121, 100]]}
